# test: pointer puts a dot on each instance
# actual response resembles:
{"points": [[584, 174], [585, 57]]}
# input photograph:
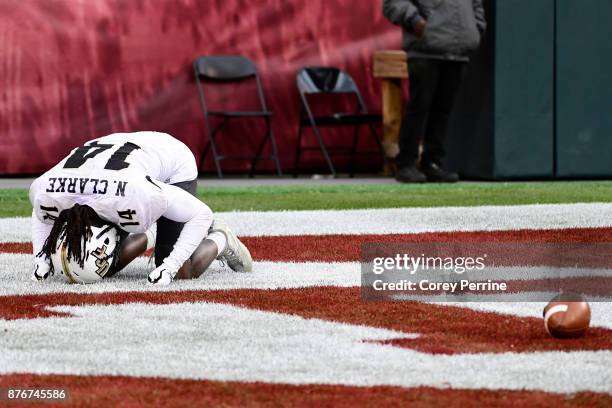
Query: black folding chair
{"points": [[332, 81], [225, 70]]}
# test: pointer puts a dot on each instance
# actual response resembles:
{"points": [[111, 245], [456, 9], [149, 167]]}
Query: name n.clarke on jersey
{"points": [[85, 185]]}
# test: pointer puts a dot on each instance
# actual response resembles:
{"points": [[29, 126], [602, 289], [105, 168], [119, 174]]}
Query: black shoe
{"points": [[435, 173], [410, 174]]}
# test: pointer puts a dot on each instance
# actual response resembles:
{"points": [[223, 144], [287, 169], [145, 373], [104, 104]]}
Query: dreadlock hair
{"points": [[74, 224]]}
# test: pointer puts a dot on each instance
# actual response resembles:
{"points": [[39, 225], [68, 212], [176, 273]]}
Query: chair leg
{"points": [[213, 146], [269, 136], [203, 156], [354, 150], [324, 150], [298, 151], [257, 154], [279, 171], [377, 140]]}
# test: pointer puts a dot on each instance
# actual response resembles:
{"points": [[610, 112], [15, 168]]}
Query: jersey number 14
{"points": [[86, 152]]}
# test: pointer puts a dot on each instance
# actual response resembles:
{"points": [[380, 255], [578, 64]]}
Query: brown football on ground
{"points": [[567, 316]]}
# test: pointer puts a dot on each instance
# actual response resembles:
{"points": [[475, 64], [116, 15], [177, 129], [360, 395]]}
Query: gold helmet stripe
{"points": [[64, 259]]}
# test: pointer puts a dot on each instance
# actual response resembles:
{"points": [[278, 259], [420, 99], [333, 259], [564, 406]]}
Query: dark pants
{"points": [[168, 231], [433, 86]]}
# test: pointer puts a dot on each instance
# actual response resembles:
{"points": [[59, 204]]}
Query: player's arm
{"points": [[40, 232], [197, 218]]}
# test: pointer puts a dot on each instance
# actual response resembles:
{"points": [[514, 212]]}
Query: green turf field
{"points": [[14, 202]]}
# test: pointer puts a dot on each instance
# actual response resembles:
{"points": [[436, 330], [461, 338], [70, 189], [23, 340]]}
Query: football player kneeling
{"points": [[117, 196]]}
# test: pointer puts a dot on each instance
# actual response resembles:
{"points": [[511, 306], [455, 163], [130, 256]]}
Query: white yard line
{"points": [[15, 270], [391, 221]]}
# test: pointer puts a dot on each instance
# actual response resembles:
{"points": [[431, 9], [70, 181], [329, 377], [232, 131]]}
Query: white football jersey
{"points": [[118, 176], [156, 154]]}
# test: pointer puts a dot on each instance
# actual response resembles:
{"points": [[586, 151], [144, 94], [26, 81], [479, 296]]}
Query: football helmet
{"points": [[99, 255]]}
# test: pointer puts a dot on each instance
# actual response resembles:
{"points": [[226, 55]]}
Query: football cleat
{"points": [[235, 255]]}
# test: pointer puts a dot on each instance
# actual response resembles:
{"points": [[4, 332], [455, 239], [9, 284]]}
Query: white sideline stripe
{"points": [[391, 221], [229, 343], [15, 271]]}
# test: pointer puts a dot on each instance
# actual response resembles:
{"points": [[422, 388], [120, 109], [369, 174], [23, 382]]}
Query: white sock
{"points": [[151, 234], [218, 238]]}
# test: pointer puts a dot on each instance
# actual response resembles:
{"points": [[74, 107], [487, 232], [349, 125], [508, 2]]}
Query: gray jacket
{"points": [[453, 29]]}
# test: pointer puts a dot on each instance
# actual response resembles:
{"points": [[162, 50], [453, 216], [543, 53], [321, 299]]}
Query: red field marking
{"points": [[443, 329], [107, 391], [346, 248], [16, 247]]}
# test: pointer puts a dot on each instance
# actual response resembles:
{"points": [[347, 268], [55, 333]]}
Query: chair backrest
{"points": [[312, 80], [224, 67], [326, 80]]}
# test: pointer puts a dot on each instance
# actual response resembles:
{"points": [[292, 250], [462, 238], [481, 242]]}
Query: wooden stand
{"points": [[392, 67]]}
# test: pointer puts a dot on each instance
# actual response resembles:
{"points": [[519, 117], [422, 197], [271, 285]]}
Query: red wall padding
{"points": [[72, 70]]}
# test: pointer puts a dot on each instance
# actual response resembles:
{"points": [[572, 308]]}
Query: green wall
{"points": [[537, 98], [524, 82], [584, 88]]}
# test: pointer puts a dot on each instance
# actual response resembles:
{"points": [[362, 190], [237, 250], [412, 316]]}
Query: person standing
{"points": [[438, 36]]}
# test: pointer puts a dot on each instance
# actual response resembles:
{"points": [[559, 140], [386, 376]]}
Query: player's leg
{"points": [[220, 243], [199, 262]]}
